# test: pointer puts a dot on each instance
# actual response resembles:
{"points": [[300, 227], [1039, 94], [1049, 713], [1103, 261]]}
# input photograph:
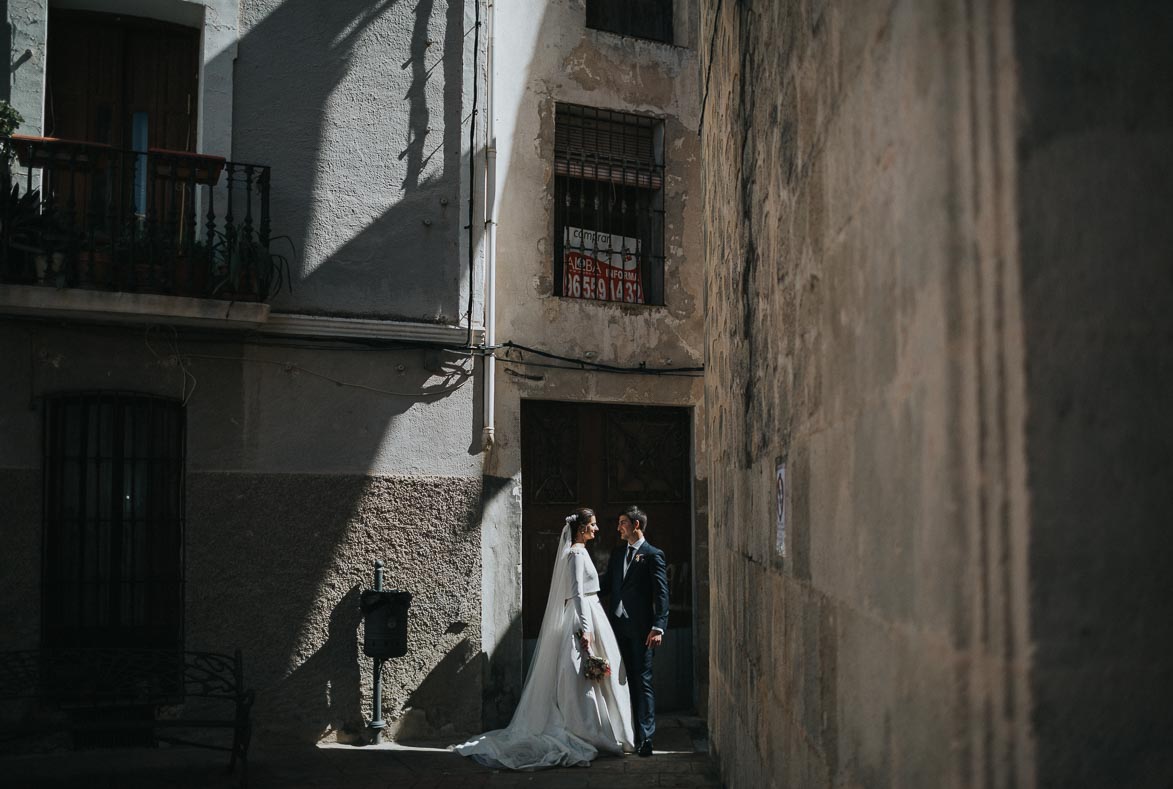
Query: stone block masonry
{"points": [[916, 219], [853, 278]]}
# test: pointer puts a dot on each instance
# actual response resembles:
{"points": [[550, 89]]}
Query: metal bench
{"points": [[106, 691]]}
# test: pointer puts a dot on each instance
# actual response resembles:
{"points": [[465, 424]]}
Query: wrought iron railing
{"points": [[86, 215]]}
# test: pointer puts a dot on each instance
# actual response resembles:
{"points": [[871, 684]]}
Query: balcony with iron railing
{"points": [[83, 215]]}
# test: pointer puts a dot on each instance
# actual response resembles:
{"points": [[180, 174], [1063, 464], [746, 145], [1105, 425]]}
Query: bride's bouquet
{"points": [[595, 668]]}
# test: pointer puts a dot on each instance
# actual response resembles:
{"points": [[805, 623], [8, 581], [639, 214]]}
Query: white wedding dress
{"points": [[564, 719]]}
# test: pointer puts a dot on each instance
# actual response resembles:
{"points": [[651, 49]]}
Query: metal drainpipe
{"points": [[488, 436]]}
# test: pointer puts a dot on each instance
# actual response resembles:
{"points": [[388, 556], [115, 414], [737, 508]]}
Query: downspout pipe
{"points": [[490, 203]]}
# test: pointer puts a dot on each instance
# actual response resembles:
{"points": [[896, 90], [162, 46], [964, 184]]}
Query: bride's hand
{"points": [[586, 641]]}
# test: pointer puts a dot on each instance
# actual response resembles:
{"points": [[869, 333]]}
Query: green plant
{"points": [[20, 226], [10, 118]]}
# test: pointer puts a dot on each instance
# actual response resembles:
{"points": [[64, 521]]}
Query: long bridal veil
{"points": [[537, 736]]}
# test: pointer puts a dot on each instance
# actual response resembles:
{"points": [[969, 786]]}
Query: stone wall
{"points": [[863, 328]]}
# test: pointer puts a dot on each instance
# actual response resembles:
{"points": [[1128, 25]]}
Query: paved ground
{"points": [[681, 760]]}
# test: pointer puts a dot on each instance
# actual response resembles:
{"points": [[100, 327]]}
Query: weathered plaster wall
{"points": [[863, 324], [544, 55], [360, 110], [276, 564], [1096, 190], [295, 485]]}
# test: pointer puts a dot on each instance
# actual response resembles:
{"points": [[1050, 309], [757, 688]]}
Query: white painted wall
{"points": [[362, 110]]}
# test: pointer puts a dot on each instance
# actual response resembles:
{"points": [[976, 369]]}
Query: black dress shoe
{"points": [[645, 748]]}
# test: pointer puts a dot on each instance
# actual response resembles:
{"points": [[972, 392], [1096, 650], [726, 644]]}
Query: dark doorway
{"points": [[113, 531], [609, 457]]}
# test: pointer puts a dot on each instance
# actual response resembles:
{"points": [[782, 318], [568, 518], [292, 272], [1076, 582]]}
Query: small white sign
{"points": [[780, 493]]}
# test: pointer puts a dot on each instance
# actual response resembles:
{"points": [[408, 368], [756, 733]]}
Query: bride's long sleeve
{"points": [[577, 583]]}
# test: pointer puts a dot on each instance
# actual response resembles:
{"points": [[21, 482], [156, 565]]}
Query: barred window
{"points": [[113, 530], [640, 18], [609, 206]]}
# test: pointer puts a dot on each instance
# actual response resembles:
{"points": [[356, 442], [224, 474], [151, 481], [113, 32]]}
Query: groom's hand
{"points": [[654, 638]]}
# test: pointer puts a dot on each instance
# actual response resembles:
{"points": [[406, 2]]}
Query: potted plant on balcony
{"points": [[20, 218], [245, 270]]}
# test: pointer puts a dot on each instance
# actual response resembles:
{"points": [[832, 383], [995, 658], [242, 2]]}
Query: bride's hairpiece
{"points": [[572, 518]]}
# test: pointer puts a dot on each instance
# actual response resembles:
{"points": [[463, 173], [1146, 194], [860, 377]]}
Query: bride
{"points": [[563, 718]]}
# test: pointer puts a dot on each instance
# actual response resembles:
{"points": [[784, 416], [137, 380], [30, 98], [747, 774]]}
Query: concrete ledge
{"points": [[100, 306], [324, 326]]}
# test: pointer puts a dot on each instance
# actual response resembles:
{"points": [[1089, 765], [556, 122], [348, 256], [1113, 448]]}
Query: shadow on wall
{"points": [[329, 683], [320, 95], [441, 703], [377, 224], [274, 562], [502, 678]]}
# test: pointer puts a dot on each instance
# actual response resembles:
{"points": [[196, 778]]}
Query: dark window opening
{"points": [[640, 18], [608, 206], [113, 570]]}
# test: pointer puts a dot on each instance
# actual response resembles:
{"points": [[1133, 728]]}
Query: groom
{"points": [[637, 582]]}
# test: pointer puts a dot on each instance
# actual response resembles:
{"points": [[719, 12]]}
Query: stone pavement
{"points": [[681, 760]]}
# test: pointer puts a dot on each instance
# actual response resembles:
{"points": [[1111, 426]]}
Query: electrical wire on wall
{"points": [[589, 365], [709, 68]]}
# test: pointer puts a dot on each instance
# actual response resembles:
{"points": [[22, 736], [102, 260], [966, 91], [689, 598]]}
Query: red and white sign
{"points": [[601, 266]]}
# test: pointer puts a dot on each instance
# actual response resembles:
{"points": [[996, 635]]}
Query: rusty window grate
{"points": [[113, 572], [640, 18], [609, 205]]}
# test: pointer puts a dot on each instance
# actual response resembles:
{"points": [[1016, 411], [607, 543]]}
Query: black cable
{"points": [[642, 368], [709, 71], [615, 371]]}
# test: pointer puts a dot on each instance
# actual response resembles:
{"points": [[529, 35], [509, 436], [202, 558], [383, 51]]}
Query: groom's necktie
{"points": [[620, 611]]}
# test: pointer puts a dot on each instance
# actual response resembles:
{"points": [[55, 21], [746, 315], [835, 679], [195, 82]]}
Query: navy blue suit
{"points": [[644, 592]]}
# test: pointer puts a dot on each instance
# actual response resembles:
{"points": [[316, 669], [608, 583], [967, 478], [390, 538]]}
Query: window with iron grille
{"points": [[113, 521], [640, 18], [608, 205]]}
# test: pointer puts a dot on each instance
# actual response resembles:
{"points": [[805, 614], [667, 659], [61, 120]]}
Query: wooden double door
{"points": [[608, 458], [121, 81]]}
